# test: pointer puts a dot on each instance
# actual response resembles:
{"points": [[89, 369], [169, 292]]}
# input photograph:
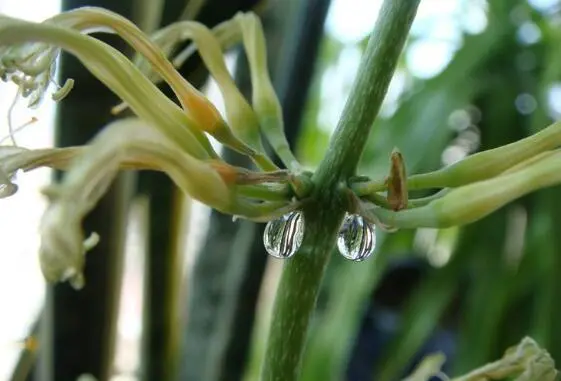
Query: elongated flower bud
{"points": [[474, 201], [397, 182], [199, 108], [264, 98], [117, 73], [487, 164], [90, 19], [241, 117], [63, 248], [90, 175]]}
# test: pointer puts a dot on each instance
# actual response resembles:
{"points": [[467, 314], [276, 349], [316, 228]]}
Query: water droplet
{"points": [[283, 236], [357, 238]]}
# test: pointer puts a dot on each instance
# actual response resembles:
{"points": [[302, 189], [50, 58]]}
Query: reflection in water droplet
{"points": [[357, 238], [283, 237]]}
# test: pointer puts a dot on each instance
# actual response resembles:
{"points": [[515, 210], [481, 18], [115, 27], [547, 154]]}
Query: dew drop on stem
{"points": [[357, 238], [283, 236]]}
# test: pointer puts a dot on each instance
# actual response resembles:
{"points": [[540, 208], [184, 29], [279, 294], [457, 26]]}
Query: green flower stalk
{"points": [[303, 274]]}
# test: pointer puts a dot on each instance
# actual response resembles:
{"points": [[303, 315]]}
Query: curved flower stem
{"points": [[382, 201], [265, 192], [366, 188], [302, 275]]}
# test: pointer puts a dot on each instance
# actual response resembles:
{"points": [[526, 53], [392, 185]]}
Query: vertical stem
{"points": [[296, 297], [370, 87], [302, 275]]}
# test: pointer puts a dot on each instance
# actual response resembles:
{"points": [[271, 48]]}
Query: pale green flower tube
{"points": [[90, 175], [474, 201], [91, 19], [487, 164], [227, 33], [239, 114], [264, 98], [480, 166], [13, 159], [120, 75], [127, 143]]}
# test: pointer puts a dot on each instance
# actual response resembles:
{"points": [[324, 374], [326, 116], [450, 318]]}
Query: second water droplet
{"points": [[357, 238], [283, 236]]}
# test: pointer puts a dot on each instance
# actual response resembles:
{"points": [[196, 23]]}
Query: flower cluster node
{"points": [[175, 138], [162, 135]]}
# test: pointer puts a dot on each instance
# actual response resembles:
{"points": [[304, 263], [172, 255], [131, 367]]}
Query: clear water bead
{"points": [[357, 238], [283, 236]]}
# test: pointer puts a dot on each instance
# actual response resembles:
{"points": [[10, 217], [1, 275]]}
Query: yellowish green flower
{"points": [[174, 138], [163, 136]]}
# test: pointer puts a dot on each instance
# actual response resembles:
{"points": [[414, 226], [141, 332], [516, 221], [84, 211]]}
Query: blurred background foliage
{"points": [[482, 75]]}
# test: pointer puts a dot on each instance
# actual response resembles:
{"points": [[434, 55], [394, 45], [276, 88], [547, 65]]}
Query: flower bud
{"points": [[62, 251], [397, 182], [199, 109], [474, 201], [487, 164], [117, 73], [244, 134], [264, 98]]}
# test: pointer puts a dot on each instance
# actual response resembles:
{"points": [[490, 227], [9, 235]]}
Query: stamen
{"points": [[115, 110], [63, 91], [20, 128], [10, 120]]}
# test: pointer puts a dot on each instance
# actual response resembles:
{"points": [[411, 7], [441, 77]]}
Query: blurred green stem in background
{"points": [[302, 275]]}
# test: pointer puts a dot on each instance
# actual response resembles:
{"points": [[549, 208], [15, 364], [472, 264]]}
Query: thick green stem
{"points": [[370, 87], [296, 297], [302, 275]]}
